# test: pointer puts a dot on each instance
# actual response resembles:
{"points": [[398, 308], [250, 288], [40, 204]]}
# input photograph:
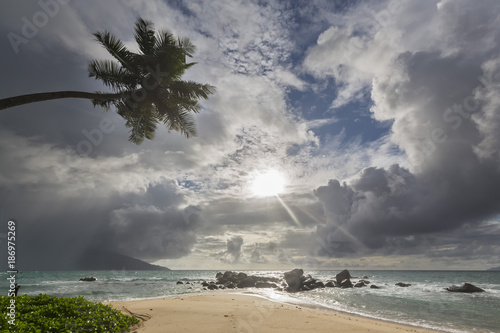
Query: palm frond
{"points": [[145, 36], [176, 112], [191, 89], [106, 105], [185, 124], [169, 55], [185, 44], [112, 75], [141, 119], [116, 48], [179, 119], [164, 40]]}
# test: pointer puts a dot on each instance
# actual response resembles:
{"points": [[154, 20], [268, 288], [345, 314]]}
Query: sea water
{"points": [[424, 304]]}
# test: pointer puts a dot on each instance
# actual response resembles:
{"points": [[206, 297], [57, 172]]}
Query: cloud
{"points": [[234, 247], [233, 250], [488, 121], [257, 257], [151, 233], [443, 120]]}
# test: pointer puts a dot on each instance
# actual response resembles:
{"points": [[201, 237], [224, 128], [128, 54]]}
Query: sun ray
{"points": [[289, 211]]}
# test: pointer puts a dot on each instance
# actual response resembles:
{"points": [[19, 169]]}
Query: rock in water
{"points": [[293, 279], [212, 287], [342, 276], [465, 288], [265, 285], [247, 282], [229, 285], [88, 279], [401, 284], [319, 284], [346, 283], [297, 271], [330, 284]]}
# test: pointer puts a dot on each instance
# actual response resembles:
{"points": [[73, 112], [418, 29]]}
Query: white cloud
{"points": [[488, 121]]}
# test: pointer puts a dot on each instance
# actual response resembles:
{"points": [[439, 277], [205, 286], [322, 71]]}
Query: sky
{"points": [[380, 119]]}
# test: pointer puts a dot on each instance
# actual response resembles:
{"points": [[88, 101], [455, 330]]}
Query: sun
{"points": [[268, 183]]}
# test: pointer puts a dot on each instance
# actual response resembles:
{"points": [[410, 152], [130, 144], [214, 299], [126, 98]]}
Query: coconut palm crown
{"points": [[147, 86]]}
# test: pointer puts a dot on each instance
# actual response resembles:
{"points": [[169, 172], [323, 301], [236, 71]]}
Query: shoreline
{"points": [[246, 313]]}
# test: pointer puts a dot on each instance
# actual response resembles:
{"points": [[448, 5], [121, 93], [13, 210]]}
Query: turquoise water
{"points": [[424, 304]]}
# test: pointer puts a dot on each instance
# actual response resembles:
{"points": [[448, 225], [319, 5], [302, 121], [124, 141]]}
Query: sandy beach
{"points": [[223, 312]]}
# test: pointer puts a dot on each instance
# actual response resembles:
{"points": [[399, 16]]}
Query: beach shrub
{"points": [[44, 313]]}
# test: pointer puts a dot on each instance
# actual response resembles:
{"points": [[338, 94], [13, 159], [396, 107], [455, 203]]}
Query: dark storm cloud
{"points": [[145, 232], [151, 232]]}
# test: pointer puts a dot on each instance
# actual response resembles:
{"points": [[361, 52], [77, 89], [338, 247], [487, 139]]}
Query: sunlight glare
{"points": [[269, 183]]}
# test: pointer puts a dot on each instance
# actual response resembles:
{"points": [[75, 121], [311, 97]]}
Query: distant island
{"points": [[494, 269], [105, 260]]}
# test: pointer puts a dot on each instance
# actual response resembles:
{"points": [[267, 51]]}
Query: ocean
{"points": [[424, 304]]}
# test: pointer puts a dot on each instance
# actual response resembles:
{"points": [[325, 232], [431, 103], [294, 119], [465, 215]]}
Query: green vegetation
{"points": [[46, 314]]}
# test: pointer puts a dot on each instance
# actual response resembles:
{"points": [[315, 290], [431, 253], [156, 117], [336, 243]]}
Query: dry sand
{"points": [[223, 312]]}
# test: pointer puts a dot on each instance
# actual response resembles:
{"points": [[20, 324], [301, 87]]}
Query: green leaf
{"points": [[45, 313]]}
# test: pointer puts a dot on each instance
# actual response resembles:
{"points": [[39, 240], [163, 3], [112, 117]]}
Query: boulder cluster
{"points": [[89, 279], [295, 280], [231, 280]]}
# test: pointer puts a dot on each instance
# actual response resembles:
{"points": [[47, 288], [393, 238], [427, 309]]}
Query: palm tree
{"points": [[146, 87]]}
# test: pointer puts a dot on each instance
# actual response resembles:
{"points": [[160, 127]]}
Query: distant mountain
{"points": [[105, 260], [494, 269]]}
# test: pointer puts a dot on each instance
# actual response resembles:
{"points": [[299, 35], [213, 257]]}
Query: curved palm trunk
{"points": [[39, 97]]}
